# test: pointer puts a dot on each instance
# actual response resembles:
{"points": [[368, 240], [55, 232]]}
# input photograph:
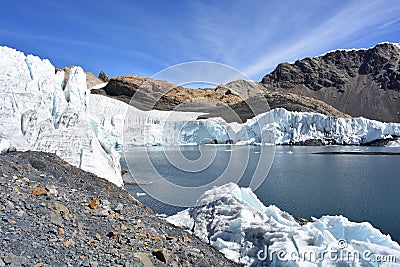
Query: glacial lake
{"points": [[360, 187]]}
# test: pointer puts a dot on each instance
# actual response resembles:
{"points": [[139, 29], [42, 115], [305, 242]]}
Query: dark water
{"points": [[360, 187]]}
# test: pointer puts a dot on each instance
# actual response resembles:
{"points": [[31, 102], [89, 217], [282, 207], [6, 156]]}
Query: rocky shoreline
{"points": [[54, 214]]}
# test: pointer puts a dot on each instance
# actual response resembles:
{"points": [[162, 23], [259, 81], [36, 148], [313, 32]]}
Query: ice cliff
{"points": [[277, 126], [280, 126], [39, 111], [235, 222], [119, 124]]}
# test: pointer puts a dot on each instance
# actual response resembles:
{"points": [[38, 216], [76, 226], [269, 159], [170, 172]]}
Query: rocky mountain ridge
{"points": [[235, 101], [363, 82]]}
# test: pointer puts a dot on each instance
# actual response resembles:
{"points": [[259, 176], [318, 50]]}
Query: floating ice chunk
{"points": [[245, 142], [393, 144]]}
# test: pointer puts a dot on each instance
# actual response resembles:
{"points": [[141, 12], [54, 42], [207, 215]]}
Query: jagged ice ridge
{"points": [[39, 112], [234, 221], [278, 126]]}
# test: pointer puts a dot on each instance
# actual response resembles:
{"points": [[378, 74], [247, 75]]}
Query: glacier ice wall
{"points": [[292, 127], [277, 126], [235, 222], [39, 112], [116, 123]]}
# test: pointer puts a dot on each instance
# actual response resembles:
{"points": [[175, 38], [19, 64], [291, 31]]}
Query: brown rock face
{"points": [[92, 80], [358, 82], [253, 91], [162, 95], [159, 94], [103, 77], [94, 203], [293, 102], [235, 101]]}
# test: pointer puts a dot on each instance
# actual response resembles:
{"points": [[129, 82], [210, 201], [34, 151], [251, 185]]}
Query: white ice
{"points": [[277, 126], [39, 112], [235, 222], [393, 143]]}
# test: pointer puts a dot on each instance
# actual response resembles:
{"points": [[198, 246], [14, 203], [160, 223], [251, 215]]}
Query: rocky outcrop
{"points": [[53, 214], [161, 95], [289, 101], [103, 77], [362, 82], [92, 80], [235, 101], [293, 102]]}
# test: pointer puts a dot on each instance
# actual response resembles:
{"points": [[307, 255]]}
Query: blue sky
{"points": [[144, 37]]}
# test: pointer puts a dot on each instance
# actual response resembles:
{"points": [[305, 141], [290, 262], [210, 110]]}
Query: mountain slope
{"points": [[54, 214], [362, 82], [231, 101]]}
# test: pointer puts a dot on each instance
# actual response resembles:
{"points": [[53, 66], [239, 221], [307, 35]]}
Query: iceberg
{"points": [[393, 143], [234, 221], [40, 110]]}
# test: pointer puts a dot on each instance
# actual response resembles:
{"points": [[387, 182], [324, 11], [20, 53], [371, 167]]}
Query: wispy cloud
{"points": [[147, 36], [357, 18], [32, 36], [256, 37]]}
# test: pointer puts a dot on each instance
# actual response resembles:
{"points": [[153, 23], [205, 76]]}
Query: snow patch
{"points": [[4, 144], [99, 86]]}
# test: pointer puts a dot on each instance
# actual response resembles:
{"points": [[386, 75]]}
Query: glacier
{"points": [[234, 221], [124, 125], [40, 111], [283, 127]]}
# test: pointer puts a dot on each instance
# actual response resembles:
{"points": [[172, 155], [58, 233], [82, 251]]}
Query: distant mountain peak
{"points": [[363, 82]]}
